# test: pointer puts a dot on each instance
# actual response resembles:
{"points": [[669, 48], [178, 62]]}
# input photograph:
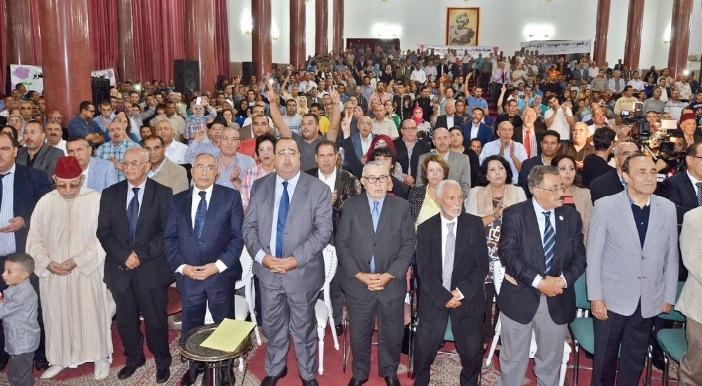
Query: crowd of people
{"points": [[447, 166]]}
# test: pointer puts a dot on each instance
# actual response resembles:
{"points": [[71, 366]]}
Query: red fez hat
{"points": [[67, 168], [687, 116]]}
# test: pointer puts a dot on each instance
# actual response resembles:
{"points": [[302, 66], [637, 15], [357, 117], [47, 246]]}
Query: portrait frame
{"points": [[459, 32]]}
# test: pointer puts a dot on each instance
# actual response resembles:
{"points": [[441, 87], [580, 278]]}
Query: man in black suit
{"points": [[409, 148], [452, 263], [203, 243], [541, 247], [685, 189], [611, 182], [375, 243], [20, 189], [132, 218], [450, 119], [549, 148], [529, 134], [356, 145]]}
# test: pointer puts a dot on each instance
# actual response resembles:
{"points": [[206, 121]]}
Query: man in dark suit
{"points": [[475, 128], [612, 182], [356, 146], [549, 148], [20, 189], [452, 263], [375, 243], [287, 225], [528, 134], [450, 119], [685, 189], [409, 148], [342, 185], [204, 250], [136, 270], [37, 153], [541, 247]]}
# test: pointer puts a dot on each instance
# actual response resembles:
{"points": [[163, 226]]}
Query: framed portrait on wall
{"points": [[462, 26]]}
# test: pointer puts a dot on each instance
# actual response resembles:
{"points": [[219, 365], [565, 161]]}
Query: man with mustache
{"points": [[37, 154], [53, 135]]}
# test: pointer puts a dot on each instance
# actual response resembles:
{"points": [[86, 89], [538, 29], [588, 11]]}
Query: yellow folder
{"points": [[228, 335]]}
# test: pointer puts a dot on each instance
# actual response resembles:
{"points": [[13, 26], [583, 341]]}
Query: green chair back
{"points": [[581, 293], [675, 315]]}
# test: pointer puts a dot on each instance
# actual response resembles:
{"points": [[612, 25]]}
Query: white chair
{"points": [[323, 308], [499, 277]]}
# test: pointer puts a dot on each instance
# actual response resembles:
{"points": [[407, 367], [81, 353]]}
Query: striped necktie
{"points": [[549, 242]]}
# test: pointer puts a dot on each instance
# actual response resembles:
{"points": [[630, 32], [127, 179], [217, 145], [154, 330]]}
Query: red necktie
{"points": [[527, 142]]}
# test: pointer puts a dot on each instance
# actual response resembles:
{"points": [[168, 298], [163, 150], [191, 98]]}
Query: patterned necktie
{"points": [[133, 215], [549, 242], [282, 216], [698, 184], [527, 142], [375, 213], [200, 215], [449, 252]]}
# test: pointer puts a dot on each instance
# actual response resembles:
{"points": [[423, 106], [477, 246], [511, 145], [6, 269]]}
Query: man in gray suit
{"points": [[459, 164], [287, 225], [632, 271], [99, 173], [375, 243], [163, 170], [37, 153]]}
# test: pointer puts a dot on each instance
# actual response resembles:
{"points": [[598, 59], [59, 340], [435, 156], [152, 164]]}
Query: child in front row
{"points": [[18, 311]]}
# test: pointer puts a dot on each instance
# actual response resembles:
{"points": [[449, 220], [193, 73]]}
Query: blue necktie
{"points": [[282, 215], [200, 215], [549, 242], [133, 215], [697, 184], [1, 177], [375, 213]]}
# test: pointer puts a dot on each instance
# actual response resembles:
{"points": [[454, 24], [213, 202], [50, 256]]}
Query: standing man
{"points": [[163, 170], [541, 247], [132, 218], [115, 150], [632, 280], [98, 174], [459, 164], [612, 182], [203, 243], [688, 303], [409, 149], [287, 225], [452, 263], [476, 129], [37, 153], [175, 150], [512, 151], [79, 127], [70, 262], [375, 243], [550, 142]]}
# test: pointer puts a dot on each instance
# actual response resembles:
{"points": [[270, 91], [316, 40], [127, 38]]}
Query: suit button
{"points": [[643, 257], [639, 277], [199, 243]]}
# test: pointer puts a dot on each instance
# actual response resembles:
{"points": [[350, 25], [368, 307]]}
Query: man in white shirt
{"points": [[171, 115], [53, 136], [559, 118], [418, 75], [175, 151], [636, 82], [291, 117], [513, 152]]}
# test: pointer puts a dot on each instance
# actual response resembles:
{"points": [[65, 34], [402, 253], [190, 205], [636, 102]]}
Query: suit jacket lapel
{"points": [[628, 217], [688, 190], [299, 196], [212, 207], [187, 208], [532, 224], [384, 215], [651, 230]]}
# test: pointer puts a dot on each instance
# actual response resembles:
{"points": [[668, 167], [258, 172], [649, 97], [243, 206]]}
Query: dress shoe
{"points": [[188, 379], [356, 382], [273, 380], [162, 375], [190, 376], [311, 382], [102, 369], [128, 371], [51, 372], [227, 377], [339, 329], [41, 364], [392, 381]]}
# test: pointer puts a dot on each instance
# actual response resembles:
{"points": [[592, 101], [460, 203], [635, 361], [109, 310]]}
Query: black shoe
{"points": [[273, 380], [40, 364], [190, 376], [311, 382], [2, 366], [227, 377], [163, 375], [339, 329], [392, 381], [188, 379], [356, 382], [128, 371]]}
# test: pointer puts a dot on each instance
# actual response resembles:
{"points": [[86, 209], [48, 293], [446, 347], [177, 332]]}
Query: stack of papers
{"points": [[228, 335]]}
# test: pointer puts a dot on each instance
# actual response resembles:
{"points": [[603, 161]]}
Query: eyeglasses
{"points": [[410, 128], [374, 179], [552, 190], [209, 168], [133, 164], [73, 185], [233, 139]]}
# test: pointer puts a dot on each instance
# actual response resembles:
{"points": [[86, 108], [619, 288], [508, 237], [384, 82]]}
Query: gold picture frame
{"points": [[462, 26]]}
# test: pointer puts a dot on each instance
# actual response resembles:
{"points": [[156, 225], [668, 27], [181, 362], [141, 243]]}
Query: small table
{"points": [[190, 348]]}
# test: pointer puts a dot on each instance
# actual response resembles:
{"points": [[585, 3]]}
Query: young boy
{"points": [[18, 311]]}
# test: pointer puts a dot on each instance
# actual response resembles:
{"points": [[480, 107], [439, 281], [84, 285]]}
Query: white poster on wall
{"points": [[33, 78], [559, 47], [460, 51]]}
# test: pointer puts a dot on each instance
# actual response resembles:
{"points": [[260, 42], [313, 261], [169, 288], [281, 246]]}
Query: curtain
{"points": [[36, 31], [158, 37], [221, 39], [102, 19]]}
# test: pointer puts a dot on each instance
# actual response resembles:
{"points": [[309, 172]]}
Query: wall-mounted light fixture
{"points": [[246, 22], [538, 31]]}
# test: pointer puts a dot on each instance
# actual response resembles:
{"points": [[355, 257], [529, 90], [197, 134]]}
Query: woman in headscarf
{"points": [[423, 127]]}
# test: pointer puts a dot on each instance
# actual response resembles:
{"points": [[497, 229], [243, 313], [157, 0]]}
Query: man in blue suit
{"points": [[475, 128], [99, 173], [203, 243]]}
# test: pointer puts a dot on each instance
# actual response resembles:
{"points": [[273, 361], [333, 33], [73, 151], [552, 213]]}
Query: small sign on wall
{"points": [[462, 26]]}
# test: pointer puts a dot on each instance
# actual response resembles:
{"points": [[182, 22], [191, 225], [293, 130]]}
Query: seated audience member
{"points": [[688, 128], [574, 195], [424, 203], [494, 193], [505, 147], [79, 127], [595, 164], [54, 134], [387, 157]]}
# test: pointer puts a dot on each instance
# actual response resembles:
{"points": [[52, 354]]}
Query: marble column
{"points": [[601, 30], [19, 44], [199, 40], [126, 58], [632, 47], [298, 35], [65, 36], [679, 36], [338, 26], [261, 37], [321, 15]]}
